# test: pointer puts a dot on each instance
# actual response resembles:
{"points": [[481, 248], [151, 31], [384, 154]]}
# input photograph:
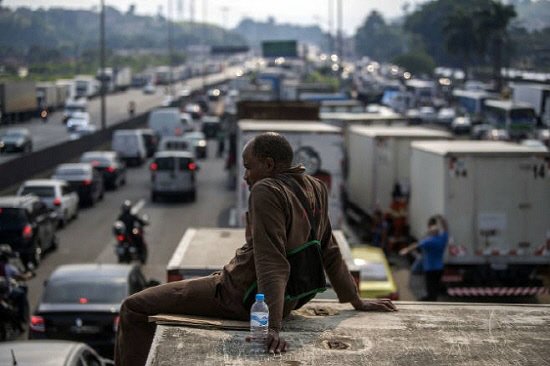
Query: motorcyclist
{"points": [[12, 274], [131, 108], [130, 219]]}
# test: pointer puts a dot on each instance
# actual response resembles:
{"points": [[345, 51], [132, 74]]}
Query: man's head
{"points": [[433, 228], [266, 155]]}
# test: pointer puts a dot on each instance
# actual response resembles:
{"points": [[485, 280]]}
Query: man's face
{"points": [[254, 168]]}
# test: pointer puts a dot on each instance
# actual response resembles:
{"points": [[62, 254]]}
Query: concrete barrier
{"points": [[23, 168]]}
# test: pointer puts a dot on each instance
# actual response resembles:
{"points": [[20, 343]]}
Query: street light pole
{"points": [[170, 48], [102, 63]]}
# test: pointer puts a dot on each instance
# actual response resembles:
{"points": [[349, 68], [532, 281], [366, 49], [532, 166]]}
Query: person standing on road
{"points": [[432, 247], [277, 223]]}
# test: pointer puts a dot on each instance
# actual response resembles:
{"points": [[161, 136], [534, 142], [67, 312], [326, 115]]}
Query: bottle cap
{"points": [[260, 297]]}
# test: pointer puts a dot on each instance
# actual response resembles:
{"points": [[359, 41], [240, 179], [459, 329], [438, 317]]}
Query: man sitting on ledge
{"points": [[289, 245]]}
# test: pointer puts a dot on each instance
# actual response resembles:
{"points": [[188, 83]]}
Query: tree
{"points": [[461, 37], [377, 39], [417, 62], [493, 29]]}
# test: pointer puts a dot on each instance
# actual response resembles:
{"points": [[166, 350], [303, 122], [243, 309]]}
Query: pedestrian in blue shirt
{"points": [[432, 247]]}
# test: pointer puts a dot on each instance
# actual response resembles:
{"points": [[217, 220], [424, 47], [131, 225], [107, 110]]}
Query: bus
{"points": [[517, 118], [470, 103]]}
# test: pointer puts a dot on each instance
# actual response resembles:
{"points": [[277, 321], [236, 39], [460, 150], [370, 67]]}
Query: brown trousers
{"points": [[192, 297]]}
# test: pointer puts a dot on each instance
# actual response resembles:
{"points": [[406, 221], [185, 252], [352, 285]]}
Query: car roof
{"points": [[91, 270], [43, 182], [74, 166], [173, 153], [16, 201], [47, 352], [107, 154]]}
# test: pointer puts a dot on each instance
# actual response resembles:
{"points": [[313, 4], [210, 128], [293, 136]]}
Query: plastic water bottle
{"points": [[259, 323]]}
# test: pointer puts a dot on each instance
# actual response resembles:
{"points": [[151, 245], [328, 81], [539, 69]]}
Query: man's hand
{"points": [[373, 305], [273, 343]]}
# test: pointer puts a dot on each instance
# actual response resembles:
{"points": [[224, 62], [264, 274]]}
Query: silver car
{"points": [[56, 194]]}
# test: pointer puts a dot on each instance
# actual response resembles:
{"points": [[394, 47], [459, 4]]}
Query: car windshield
{"points": [[70, 171], [11, 218], [40, 191], [165, 163], [89, 291]]}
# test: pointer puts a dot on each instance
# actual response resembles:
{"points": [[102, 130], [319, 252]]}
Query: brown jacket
{"points": [[277, 223]]}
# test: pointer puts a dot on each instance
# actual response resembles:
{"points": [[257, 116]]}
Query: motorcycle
{"points": [[127, 246]]}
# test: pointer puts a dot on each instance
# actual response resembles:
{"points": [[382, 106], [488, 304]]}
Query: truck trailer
{"points": [[496, 198], [318, 146], [378, 167], [327, 333], [17, 101], [538, 95], [205, 250], [46, 94]]}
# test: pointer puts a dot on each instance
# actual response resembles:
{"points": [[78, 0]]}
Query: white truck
{"points": [[204, 250], [86, 86], [46, 95], [538, 95], [378, 160], [318, 146], [496, 198], [331, 334], [122, 78]]}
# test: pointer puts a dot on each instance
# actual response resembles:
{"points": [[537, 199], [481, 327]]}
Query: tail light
{"points": [[394, 296], [27, 231], [110, 169], [178, 131], [192, 166], [95, 163], [87, 182], [120, 238], [115, 323], [57, 202], [154, 166], [37, 324], [174, 277]]}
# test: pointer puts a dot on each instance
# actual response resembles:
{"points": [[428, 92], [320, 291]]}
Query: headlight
{"points": [[202, 143]]}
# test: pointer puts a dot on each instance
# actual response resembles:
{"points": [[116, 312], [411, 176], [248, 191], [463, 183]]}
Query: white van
{"points": [[175, 143], [169, 122], [173, 173], [130, 145]]}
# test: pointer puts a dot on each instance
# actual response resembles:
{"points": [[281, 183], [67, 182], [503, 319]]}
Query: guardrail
{"points": [[26, 166]]}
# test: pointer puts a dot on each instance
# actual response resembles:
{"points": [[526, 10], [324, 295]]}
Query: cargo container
{"points": [[377, 165], [17, 101], [328, 333], [318, 146], [538, 95], [86, 86], [46, 94], [496, 198]]}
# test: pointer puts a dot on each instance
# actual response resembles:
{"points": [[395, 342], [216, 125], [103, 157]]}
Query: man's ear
{"points": [[269, 164]]}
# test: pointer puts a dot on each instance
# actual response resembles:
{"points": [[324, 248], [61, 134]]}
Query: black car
{"points": [[16, 140], [109, 164], [28, 226], [211, 126], [151, 141], [84, 179], [81, 302]]}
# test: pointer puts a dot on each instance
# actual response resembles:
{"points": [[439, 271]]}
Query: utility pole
{"points": [[340, 35], [102, 64], [170, 47], [330, 15]]}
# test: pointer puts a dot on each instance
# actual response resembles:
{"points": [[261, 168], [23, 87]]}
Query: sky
{"points": [[228, 13]]}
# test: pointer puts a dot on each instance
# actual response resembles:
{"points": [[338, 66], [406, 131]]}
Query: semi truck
{"points": [[328, 333], [538, 95], [318, 146], [46, 94], [378, 167], [17, 101], [86, 86], [496, 198]]}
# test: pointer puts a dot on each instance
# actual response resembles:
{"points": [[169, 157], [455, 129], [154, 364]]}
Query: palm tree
{"points": [[493, 31], [459, 29]]}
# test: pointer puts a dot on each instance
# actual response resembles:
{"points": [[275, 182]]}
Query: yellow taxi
{"points": [[375, 276]]}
